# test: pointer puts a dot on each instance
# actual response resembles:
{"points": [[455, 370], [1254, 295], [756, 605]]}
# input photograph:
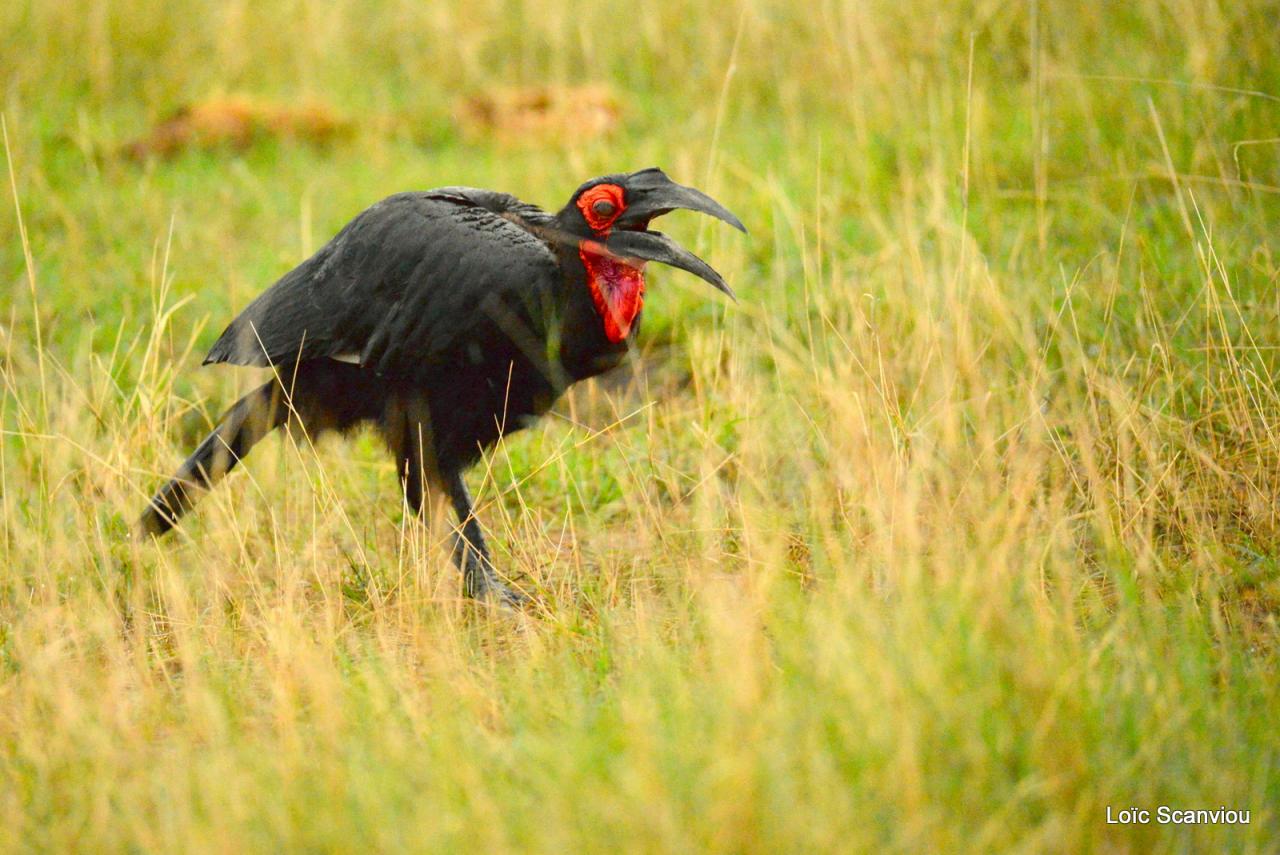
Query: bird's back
{"points": [[408, 283]]}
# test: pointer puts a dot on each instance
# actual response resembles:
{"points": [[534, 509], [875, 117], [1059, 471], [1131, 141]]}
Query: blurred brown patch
{"points": [[516, 114], [236, 122]]}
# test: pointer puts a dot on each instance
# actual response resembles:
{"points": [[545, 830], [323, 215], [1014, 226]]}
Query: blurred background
{"points": [[1046, 123], [960, 528]]}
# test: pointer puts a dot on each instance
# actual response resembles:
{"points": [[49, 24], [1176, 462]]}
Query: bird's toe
{"points": [[506, 597], [487, 588]]}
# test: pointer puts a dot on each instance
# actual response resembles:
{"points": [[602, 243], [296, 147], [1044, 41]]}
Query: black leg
{"points": [[411, 478], [414, 430], [470, 552]]}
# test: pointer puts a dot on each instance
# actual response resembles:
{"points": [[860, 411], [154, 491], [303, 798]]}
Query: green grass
{"points": [[962, 527]]}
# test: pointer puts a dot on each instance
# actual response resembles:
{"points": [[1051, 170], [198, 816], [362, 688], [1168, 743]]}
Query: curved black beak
{"points": [[655, 246], [650, 193]]}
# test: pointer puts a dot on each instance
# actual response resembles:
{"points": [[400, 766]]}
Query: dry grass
{"points": [[962, 527], [237, 122]]}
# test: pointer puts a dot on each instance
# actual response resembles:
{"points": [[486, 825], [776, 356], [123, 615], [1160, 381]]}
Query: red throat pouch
{"points": [[617, 290]]}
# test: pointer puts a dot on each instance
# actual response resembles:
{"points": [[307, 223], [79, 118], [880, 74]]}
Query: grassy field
{"points": [[960, 528]]}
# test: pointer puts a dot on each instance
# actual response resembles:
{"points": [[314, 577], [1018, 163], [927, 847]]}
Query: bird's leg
{"points": [[471, 554], [410, 459], [411, 480]]}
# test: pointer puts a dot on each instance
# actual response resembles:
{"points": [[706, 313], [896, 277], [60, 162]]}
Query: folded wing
{"points": [[407, 285]]}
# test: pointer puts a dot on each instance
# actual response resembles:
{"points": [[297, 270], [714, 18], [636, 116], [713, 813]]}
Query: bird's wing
{"points": [[410, 282]]}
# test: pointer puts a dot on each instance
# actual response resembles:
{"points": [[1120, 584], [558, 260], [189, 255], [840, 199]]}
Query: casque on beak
{"points": [[650, 194]]}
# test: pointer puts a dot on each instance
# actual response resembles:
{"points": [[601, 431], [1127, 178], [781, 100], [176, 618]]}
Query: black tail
{"points": [[249, 420]]}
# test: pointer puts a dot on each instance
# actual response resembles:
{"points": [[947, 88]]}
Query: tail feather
{"points": [[249, 420]]}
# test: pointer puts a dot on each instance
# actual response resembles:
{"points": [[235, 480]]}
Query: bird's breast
{"points": [[617, 289]]}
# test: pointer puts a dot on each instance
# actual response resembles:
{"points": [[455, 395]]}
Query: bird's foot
{"points": [[489, 589], [480, 581]]}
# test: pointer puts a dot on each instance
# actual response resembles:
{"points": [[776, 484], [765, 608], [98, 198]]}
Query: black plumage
{"points": [[446, 319]]}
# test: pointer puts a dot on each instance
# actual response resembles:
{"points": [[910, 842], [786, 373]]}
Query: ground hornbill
{"points": [[446, 319]]}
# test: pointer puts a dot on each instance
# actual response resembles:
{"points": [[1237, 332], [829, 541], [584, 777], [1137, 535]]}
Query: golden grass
{"points": [[961, 528]]}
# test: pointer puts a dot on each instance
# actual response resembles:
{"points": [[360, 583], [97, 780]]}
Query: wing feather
{"points": [[412, 282]]}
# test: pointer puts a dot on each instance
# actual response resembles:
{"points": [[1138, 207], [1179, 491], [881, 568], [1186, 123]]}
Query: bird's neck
{"points": [[617, 290]]}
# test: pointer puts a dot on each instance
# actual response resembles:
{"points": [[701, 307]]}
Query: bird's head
{"points": [[613, 212]]}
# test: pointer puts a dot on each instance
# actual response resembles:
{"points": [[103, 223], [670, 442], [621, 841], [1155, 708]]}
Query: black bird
{"points": [[445, 318]]}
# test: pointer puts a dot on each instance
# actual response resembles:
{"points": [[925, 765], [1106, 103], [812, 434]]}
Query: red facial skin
{"points": [[617, 288]]}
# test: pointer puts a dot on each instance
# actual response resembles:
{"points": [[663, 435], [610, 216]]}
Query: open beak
{"points": [[650, 194], [655, 246]]}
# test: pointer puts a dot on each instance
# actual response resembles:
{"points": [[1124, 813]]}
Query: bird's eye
{"points": [[603, 208]]}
